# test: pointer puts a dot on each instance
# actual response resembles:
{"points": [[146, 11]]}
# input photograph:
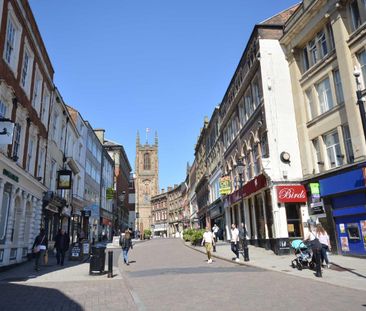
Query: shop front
{"points": [[344, 198], [216, 213]]}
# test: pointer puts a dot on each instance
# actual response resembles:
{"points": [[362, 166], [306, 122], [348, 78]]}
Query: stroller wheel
{"points": [[312, 265], [293, 265], [299, 266]]}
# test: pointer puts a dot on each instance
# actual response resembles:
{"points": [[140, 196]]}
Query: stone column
{"points": [[263, 197], [227, 221], [22, 220], [255, 232], [247, 219], [10, 224]]}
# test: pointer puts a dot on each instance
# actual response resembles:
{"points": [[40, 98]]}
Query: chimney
{"points": [[170, 189], [100, 135], [162, 190]]}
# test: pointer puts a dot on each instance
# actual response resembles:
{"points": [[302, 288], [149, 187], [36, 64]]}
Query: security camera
{"points": [[356, 72]]}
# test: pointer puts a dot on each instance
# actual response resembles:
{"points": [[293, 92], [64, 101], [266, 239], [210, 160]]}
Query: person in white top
{"points": [[323, 237], [235, 241], [215, 230], [208, 241]]}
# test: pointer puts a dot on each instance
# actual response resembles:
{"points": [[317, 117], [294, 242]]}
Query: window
{"points": [[333, 148], [10, 41], [29, 156], [2, 110], [147, 164], [310, 104], [54, 126], [41, 160], [256, 160], [25, 69], [318, 47], [348, 144], [16, 143], [362, 61], [338, 86], [322, 43], [53, 175], [45, 106], [355, 15], [248, 106], [256, 95], [324, 95], [305, 59], [318, 157], [264, 146], [37, 91]]}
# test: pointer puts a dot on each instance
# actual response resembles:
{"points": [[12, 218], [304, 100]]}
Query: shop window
{"points": [[4, 211], [269, 214], [293, 220], [259, 217], [353, 232]]}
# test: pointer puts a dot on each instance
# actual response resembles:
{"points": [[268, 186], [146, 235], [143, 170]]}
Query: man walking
{"points": [[208, 241], [235, 242], [61, 245]]}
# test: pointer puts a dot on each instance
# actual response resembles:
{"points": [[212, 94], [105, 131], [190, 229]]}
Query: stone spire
{"points": [[156, 138]]}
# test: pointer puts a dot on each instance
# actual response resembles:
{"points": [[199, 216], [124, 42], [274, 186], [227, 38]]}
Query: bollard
{"points": [[110, 264]]}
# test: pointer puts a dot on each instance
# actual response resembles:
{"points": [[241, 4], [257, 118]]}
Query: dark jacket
{"points": [[40, 240], [62, 242], [125, 243]]}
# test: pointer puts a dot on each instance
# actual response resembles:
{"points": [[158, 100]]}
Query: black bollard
{"points": [[110, 264]]}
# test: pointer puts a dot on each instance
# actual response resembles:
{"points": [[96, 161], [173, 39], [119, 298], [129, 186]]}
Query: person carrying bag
{"points": [[40, 248]]}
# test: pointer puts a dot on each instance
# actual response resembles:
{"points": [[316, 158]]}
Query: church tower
{"points": [[147, 180]]}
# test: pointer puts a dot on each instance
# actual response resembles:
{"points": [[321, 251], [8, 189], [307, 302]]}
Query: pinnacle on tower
{"points": [[156, 138], [138, 139]]}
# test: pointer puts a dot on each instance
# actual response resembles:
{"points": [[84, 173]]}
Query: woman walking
{"points": [[126, 243], [40, 247], [323, 237], [61, 246]]}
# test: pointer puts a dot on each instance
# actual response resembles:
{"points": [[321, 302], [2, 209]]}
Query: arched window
{"points": [[147, 163]]}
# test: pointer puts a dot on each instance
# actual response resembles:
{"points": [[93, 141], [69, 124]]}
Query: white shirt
{"points": [[215, 229], [323, 238], [208, 237], [234, 235]]}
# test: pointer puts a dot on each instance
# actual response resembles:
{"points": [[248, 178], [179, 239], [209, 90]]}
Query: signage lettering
{"points": [[287, 194], [10, 175]]}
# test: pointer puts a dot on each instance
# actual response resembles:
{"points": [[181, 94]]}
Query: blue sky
{"points": [[162, 64]]}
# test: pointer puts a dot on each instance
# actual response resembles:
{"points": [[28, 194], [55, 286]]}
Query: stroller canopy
{"points": [[296, 244]]}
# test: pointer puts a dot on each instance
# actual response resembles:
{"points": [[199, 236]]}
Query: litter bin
{"points": [[97, 259]]}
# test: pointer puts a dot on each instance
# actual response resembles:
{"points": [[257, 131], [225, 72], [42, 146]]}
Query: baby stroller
{"points": [[304, 255]]}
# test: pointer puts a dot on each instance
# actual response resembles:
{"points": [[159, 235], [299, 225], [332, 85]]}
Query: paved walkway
{"points": [[344, 271]]}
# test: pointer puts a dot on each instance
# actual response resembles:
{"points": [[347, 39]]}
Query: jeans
{"points": [[235, 248], [324, 255], [39, 255], [60, 257], [125, 255]]}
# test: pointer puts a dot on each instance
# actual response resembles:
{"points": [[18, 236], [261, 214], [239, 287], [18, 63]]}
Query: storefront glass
{"points": [[293, 220], [258, 204], [269, 214]]}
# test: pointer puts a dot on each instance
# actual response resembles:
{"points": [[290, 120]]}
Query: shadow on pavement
{"points": [[23, 297], [191, 270]]}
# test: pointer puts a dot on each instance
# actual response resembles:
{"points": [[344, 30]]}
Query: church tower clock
{"points": [[147, 180]]}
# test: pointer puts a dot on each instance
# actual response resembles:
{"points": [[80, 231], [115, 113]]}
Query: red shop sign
{"points": [[287, 194]]}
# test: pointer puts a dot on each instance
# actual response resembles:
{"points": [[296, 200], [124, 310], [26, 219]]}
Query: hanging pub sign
{"points": [[6, 131], [225, 185], [64, 178]]}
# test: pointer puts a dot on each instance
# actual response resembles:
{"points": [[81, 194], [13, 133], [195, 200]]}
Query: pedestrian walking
{"points": [[323, 237], [215, 231], [208, 241], [61, 246], [39, 247], [235, 242], [126, 243], [316, 247]]}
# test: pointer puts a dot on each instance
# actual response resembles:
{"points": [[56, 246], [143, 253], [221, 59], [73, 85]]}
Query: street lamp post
{"points": [[360, 99], [240, 170]]}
